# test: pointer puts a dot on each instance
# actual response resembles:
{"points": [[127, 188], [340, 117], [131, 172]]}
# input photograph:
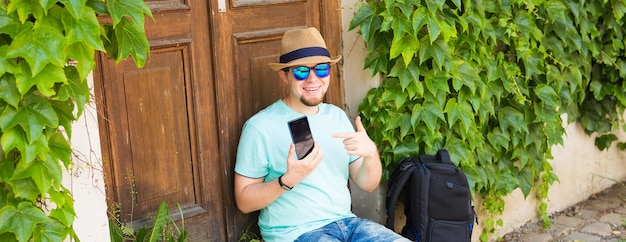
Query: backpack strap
{"points": [[444, 157], [398, 179]]}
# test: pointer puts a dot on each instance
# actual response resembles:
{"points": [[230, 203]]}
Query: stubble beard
{"points": [[311, 102]]}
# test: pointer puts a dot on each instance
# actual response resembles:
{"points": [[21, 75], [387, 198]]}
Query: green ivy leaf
{"points": [[25, 8], [438, 50], [9, 24], [84, 57], [466, 75], [133, 9], [8, 90], [376, 62], [39, 46], [405, 125], [50, 231], [437, 82], [459, 151], [25, 188], [402, 27], [13, 138], [45, 173], [7, 65], [433, 29], [65, 113], [462, 112], [21, 220], [367, 21], [526, 180], [510, 117], [361, 17], [407, 46], [619, 9], [33, 116], [411, 75], [525, 24], [37, 148], [65, 208], [76, 88], [84, 29], [132, 41], [596, 88], [44, 80], [60, 148], [603, 142], [6, 171], [556, 10], [430, 113], [547, 95], [497, 138], [76, 7], [419, 19]]}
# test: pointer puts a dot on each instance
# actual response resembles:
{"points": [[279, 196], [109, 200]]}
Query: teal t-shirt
{"points": [[319, 199]]}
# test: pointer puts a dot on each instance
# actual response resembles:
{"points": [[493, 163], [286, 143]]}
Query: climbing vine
{"points": [[491, 81], [47, 51]]}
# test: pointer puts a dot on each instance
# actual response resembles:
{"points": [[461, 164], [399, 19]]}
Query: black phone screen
{"points": [[301, 136]]}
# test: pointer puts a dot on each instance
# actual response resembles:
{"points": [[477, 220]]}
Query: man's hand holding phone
{"points": [[304, 148], [297, 170]]}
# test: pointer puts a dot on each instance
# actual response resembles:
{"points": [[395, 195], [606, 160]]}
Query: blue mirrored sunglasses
{"points": [[301, 73]]}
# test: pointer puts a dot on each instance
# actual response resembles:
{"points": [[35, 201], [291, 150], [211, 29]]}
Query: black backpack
{"points": [[438, 202]]}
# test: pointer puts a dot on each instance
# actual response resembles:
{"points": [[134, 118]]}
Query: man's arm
{"points": [[253, 194], [367, 170]]}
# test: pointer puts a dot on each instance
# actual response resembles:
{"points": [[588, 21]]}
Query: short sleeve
{"points": [[252, 156]]}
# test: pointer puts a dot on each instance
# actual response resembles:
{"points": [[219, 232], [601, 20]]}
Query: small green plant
{"points": [[164, 228], [249, 236]]}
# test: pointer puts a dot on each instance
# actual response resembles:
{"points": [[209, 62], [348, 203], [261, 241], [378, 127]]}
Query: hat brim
{"points": [[303, 61]]}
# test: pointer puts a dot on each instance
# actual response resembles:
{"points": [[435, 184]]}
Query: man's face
{"points": [[312, 87]]}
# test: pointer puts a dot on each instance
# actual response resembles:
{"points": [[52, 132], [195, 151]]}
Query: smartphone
{"points": [[301, 136]]}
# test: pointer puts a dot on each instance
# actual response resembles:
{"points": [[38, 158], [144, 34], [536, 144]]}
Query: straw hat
{"points": [[303, 46]]}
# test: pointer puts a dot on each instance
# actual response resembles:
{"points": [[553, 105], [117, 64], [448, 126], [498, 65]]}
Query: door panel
{"points": [[158, 135]]}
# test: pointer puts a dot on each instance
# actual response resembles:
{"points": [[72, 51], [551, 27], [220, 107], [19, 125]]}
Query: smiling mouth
{"points": [[311, 88]]}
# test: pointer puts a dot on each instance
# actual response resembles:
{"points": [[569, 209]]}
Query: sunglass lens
{"points": [[300, 73], [322, 70]]}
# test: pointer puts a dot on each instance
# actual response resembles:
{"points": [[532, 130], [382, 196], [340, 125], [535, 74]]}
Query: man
{"points": [[306, 199]]}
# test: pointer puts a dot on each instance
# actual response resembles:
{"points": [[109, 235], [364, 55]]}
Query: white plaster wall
{"points": [[85, 178]]}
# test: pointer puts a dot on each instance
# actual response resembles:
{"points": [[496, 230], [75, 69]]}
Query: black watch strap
{"points": [[280, 182]]}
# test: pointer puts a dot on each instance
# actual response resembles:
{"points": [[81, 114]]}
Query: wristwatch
{"points": [[280, 182]]}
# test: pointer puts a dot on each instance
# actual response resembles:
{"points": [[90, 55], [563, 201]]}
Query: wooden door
{"points": [[169, 131], [246, 35]]}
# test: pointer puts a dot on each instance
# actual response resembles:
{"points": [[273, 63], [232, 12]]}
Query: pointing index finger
{"points": [[344, 135]]}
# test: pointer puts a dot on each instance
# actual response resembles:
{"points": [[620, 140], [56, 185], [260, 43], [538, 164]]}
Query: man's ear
{"points": [[283, 76]]}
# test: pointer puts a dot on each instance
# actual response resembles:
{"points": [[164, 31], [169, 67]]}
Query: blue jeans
{"points": [[351, 229]]}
